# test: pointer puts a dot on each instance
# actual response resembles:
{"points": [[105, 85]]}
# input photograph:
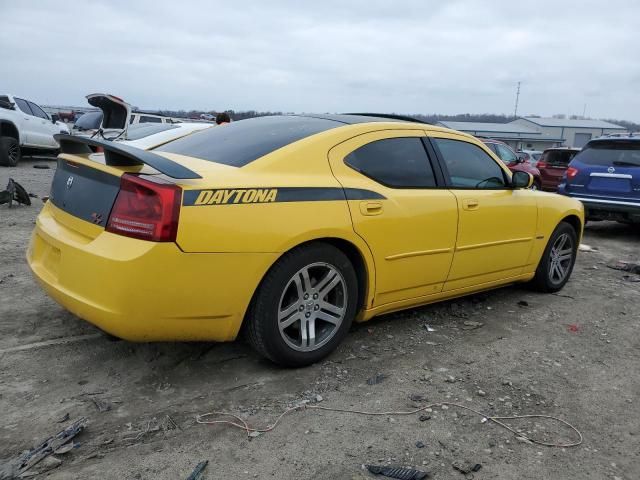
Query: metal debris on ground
{"points": [[14, 193], [376, 379], [30, 458], [626, 267], [471, 325], [198, 472], [428, 328], [398, 472], [466, 467]]}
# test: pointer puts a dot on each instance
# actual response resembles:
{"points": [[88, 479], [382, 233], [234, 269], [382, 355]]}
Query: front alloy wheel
{"points": [[557, 261]]}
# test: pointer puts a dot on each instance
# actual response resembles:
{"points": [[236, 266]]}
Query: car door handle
{"points": [[371, 208], [470, 204]]}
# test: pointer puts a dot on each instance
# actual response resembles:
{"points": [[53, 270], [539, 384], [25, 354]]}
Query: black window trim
{"points": [[437, 174], [447, 176]]}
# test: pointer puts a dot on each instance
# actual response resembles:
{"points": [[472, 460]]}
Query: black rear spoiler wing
{"points": [[117, 154]]}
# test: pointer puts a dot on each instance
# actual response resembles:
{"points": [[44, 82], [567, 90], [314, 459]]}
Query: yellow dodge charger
{"points": [[290, 228]]}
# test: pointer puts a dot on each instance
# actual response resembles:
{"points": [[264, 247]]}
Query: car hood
{"points": [[116, 113]]}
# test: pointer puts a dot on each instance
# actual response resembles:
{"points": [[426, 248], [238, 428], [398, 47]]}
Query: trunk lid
{"points": [[116, 113]]}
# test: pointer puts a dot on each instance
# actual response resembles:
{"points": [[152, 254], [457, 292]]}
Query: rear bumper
{"points": [[144, 291], [597, 207]]}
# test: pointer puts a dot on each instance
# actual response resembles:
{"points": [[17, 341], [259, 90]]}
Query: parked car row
{"points": [[25, 126]]}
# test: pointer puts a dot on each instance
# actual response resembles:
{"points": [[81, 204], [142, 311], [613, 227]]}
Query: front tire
{"points": [[304, 306], [558, 259], [9, 151]]}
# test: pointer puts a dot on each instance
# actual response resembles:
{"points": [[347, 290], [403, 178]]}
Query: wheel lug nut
{"points": [[315, 296], [306, 296], [301, 308], [317, 307], [307, 314]]}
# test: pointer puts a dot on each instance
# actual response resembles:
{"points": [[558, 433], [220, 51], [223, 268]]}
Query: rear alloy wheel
{"points": [[557, 260], [9, 152], [304, 306]]}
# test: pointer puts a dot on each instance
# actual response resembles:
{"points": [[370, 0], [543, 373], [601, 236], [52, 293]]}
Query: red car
{"points": [[511, 160], [552, 165]]}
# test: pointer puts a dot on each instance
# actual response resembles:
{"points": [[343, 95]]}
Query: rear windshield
{"points": [[242, 142], [89, 121], [141, 130], [558, 157], [621, 153]]}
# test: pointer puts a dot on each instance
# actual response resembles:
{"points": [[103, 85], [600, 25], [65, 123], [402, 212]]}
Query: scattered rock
{"points": [[416, 397], [523, 303], [482, 393], [424, 418], [376, 379], [319, 398], [420, 444], [450, 379], [466, 467]]}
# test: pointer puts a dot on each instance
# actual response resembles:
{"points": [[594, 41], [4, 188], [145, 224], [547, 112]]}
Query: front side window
{"points": [[394, 162], [37, 111], [24, 106], [469, 166]]}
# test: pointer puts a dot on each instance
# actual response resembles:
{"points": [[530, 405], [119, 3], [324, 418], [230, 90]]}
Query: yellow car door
{"points": [[497, 224], [411, 226]]}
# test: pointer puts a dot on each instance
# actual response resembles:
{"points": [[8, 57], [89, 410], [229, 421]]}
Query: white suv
{"points": [[23, 126]]}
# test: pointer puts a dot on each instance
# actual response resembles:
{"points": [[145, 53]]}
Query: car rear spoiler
{"points": [[117, 154]]}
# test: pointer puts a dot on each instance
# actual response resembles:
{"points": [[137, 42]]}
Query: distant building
{"points": [[576, 133], [532, 133]]}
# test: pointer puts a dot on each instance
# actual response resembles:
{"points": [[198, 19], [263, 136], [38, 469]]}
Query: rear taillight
{"points": [[541, 164], [146, 209], [571, 172]]}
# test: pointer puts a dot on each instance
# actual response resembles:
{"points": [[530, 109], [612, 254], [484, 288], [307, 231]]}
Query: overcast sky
{"points": [[452, 56]]}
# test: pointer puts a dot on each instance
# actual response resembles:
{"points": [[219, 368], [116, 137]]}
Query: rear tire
{"points": [[557, 261], [304, 306], [9, 151]]}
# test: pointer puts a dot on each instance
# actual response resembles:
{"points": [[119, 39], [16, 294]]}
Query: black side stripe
{"points": [[228, 196]]}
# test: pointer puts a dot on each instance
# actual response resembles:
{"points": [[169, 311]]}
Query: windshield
{"points": [[89, 121], [141, 130], [608, 154]]}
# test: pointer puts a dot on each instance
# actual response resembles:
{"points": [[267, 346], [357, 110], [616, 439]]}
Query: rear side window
{"points": [[394, 162], [469, 166], [24, 106], [558, 158], [244, 141], [610, 154]]}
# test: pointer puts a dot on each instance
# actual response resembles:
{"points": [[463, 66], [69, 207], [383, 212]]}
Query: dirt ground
{"points": [[574, 355]]}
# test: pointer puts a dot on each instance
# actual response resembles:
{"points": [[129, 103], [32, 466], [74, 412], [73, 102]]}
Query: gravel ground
{"points": [[574, 355]]}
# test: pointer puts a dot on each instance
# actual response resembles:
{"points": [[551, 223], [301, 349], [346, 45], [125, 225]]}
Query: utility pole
{"points": [[515, 110], [584, 110]]}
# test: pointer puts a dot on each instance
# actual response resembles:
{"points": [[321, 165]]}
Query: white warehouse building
{"points": [[534, 133], [576, 133]]}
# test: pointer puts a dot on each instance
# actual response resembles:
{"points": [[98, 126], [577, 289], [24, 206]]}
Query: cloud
{"points": [[410, 56]]}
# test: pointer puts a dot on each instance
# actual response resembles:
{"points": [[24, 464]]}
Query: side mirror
{"points": [[54, 117], [521, 180]]}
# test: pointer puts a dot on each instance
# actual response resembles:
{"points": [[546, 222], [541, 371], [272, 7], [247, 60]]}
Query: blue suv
{"points": [[605, 177]]}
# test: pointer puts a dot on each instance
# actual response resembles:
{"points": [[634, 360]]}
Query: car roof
{"points": [[563, 149]]}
